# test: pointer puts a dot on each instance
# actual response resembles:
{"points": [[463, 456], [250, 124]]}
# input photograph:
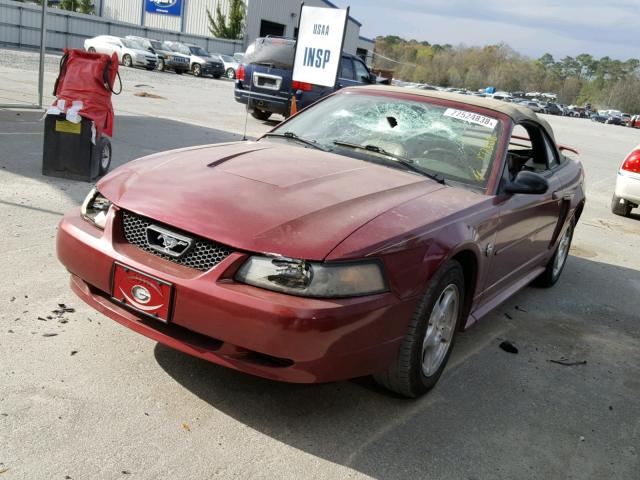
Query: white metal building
{"points": [[263, 17]]}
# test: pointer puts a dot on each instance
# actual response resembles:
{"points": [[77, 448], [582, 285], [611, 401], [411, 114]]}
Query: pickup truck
{"points": [[264, 80]]}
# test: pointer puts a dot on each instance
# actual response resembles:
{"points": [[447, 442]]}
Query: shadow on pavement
{"points": [[493, 414]]}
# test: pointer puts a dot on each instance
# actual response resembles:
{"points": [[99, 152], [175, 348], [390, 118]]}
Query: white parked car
{"points": [[230, 64], [130, 53], [627, 194]]}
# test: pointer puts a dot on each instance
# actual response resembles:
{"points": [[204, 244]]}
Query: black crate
{"points": [[68, 151]]}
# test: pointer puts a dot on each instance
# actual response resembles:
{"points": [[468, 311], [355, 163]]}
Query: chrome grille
{"points": [[204, 255]]}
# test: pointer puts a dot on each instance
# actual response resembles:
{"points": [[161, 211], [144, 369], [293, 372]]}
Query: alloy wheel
{"points": [[440, 330]]}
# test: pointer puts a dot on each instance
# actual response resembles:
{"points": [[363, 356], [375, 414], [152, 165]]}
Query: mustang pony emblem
{"points": [[169, 243]]}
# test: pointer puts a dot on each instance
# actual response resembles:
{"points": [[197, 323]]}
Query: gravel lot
{"points": [[84, 398]]}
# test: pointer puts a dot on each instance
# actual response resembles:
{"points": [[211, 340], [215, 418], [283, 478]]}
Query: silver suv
{"points": [[202, 63]]}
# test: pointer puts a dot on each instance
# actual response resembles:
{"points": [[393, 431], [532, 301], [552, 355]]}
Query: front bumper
{"points": [[175, 65], [263, 333], [628, 186], [145, 62], [210, 69]]}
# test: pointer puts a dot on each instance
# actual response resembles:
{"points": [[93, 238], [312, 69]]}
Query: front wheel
{"points": [[126, 61], [430, 336], [197, 70], [231, 73], [161, 65], [91, 50], [216, 76], [554, 268], [179, 72]]}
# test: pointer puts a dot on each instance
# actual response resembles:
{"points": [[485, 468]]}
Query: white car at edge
{"points": [[627, 194], [130, 52]]}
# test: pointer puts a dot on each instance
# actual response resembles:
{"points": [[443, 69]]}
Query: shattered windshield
{"points": [[454, 143]]}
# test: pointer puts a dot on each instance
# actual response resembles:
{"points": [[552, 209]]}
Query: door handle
{"points": [[562, 196]]}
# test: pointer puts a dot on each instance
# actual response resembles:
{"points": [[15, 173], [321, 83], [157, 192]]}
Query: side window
{"points": [[362, 74], [552, 155], [346, 68], [529, 149]]}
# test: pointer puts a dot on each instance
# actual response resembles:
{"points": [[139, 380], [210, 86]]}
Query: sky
{"points": [[532, 27]]}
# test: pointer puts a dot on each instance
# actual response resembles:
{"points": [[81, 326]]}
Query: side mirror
{"points": [[528, 183], [373, 78]]}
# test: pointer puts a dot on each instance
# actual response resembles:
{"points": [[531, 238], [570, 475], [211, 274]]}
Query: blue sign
{"points": [[166, 7]]}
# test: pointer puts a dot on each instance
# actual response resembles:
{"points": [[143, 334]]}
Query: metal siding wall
{"points": [[20, 25], [129, 11], [280, 11], [164, 22], [195, 15], [351, 38]]}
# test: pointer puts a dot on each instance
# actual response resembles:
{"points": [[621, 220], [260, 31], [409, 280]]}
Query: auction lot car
{"points": [[265, 79], [201, 62], [627, 193], [130, 53], [356, 238], [167, 59]]}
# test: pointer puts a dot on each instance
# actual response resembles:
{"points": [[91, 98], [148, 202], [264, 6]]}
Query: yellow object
{"points": [[67, 127]]}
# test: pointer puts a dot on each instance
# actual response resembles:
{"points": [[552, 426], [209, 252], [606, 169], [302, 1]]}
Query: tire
{"points": [[412, 374], [620, 206], [179, 72], [161, 66], [231, 73], [150, 68], [126, 61], [260, 114], [556, 264], [103, 151], [217, 76], [91, 50], [197, 70]]}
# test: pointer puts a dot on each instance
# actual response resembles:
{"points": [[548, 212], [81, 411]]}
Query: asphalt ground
{"points": [[97, 401]]}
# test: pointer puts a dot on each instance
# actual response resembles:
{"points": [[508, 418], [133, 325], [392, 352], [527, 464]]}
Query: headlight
{"points": [[95, 208], [307, 279]]}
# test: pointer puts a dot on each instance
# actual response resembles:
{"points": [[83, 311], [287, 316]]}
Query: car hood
{"points": [[146, 53], [197, 58], [262, 196]]}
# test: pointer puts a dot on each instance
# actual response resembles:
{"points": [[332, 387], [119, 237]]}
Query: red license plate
{"points": [[142, 292]]}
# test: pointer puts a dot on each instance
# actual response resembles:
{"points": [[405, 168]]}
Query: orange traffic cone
{"points": [[294, 106]]}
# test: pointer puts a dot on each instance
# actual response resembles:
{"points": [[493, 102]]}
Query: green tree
{"points": [[70, 5], [231, 26], [86, 6]]}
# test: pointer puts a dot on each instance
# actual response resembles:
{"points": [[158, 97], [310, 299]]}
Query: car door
{"points": [[112, 45], [362, 74], [525, 220], [347, 76], [100, 44]]}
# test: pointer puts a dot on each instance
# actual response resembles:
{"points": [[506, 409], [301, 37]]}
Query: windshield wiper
{"points": [[407, 162], [293, 136]]}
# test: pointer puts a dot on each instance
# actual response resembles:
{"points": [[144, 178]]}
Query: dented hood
{"points": [[262, 196]]}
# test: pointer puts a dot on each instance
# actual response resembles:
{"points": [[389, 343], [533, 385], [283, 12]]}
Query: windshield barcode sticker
{"points": [[476, 118]]}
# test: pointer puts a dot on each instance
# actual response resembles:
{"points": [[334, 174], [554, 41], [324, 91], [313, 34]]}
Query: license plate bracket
{"points": [[142, 292]]}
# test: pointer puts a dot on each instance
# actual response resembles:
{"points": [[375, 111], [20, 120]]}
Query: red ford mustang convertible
{"points": [[356, 238]]}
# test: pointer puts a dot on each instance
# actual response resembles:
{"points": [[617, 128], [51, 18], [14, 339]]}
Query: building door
{"points": [[272, 29]]}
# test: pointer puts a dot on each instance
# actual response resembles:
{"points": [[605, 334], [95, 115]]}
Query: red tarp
{"points": [[89, 78]]}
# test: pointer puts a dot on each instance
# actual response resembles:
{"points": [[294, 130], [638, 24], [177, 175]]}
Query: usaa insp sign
{"points": [[320, 37]]}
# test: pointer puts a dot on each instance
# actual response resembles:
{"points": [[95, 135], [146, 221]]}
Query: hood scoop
{"points": [[222, 160]]}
